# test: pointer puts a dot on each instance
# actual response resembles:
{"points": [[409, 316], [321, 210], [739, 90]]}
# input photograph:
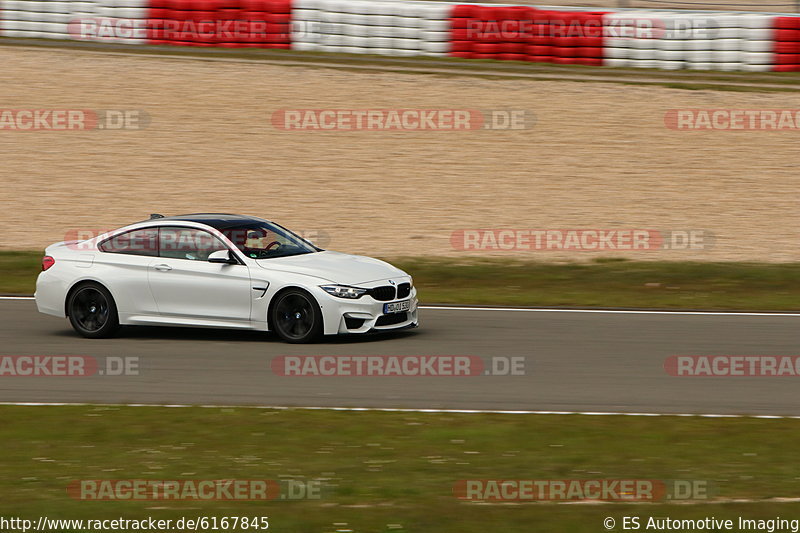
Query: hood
{"points": [[336, 267]]}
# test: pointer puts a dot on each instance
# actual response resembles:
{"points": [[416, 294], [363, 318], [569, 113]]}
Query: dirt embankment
{"points": [[599, 156]]}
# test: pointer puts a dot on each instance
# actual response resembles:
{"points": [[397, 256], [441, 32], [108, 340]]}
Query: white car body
{"points": [[156, 290]]}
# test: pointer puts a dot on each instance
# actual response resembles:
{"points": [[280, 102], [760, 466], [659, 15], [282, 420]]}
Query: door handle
{"points": [[163, 268]]}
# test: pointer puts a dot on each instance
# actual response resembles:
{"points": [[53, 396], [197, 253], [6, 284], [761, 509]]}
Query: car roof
{"points": [[219, 221]]}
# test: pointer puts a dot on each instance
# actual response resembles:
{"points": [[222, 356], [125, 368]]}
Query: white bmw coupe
{"points": [[220, 271]]}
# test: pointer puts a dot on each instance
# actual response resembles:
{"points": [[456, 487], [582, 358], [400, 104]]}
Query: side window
{"points": [[136, 242], [187, 243], [260, 239]]}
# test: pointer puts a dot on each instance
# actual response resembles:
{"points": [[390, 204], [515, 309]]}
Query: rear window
{"points": [[137, 242]]}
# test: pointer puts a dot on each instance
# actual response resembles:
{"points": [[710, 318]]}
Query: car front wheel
{"points": [[296, 317], [92, 311]]}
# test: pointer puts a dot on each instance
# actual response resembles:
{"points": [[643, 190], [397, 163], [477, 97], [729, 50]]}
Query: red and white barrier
{"points": [[787, 44], [668, 40], [371, 27], [527, 34], [224, 23], [695, 41], [114, 20]]}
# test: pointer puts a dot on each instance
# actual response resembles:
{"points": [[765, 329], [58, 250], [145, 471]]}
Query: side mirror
{"points": [[223, 257]]}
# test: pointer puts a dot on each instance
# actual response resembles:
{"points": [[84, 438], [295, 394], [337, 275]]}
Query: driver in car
{"points": [[259, 243]]}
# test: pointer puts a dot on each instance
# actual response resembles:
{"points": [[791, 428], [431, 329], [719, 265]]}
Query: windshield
{"points": [[266, 240]]}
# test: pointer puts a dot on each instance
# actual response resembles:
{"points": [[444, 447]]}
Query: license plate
{"points": [[396, 307]]}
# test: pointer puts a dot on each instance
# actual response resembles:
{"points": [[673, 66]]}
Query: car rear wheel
{"points": [[296, 317], [92, 311]]}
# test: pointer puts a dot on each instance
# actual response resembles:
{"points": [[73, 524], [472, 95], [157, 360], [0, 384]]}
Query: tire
{"points": [[296, 317], [92, 311]]}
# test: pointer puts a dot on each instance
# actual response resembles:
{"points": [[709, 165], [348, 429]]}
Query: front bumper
{"points": [[365, 314]]}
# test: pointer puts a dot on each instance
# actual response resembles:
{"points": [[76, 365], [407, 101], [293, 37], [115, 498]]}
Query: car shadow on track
{"points": [[232, 335]]}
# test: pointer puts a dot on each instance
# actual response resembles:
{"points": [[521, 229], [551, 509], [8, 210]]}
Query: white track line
{"points": [[546, 310], [604, 311], [392, 410]]}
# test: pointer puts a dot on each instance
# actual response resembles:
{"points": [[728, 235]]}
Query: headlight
{"points": [[344, 291]]}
